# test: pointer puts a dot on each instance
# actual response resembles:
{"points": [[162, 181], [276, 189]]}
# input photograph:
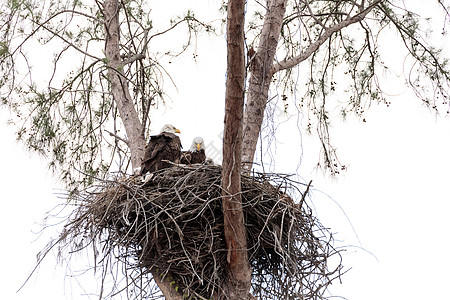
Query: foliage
{"points": [[345, 72], [64, 108], [54, 79]]}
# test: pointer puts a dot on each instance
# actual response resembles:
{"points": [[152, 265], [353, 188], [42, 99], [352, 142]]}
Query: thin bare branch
{"points": [[292, 62], [117, 137], [143, 225]]}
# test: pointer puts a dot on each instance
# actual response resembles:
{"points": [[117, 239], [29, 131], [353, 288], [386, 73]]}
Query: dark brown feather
{"points": [[195, 157], [185, 157], [198, 157], [164, 146]]}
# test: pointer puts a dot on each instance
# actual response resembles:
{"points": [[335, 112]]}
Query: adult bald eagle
{"points": [[196, 154], [164, 146]]}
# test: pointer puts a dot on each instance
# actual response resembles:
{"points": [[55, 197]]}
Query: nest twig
{"points": [[172, 226]]}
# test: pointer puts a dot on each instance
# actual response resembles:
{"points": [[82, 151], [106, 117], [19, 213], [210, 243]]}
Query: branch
{"points": [[404, 31], [41, 25], [172, 27], [67, 41], [133, 58], [119, 84], [81, 14], [292, 62], [314, 16], [118, 137], [444, 8]]}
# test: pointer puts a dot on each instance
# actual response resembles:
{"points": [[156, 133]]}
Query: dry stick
{"points": [[284, 237]]}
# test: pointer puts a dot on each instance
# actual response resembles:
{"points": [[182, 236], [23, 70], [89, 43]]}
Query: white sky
{"points": [[394, 194]]}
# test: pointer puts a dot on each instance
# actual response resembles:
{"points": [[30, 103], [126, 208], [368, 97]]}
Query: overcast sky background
{"points": [[390, 207]]}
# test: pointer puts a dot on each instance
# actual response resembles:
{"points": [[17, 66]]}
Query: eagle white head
{"points": [[197, 144], [170, 128]]}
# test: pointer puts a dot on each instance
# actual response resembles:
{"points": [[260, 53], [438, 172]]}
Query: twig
{"points": [[118, 137]]}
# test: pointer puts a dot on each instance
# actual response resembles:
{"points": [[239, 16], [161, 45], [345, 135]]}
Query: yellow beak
{"points": [[198, 147], [177, 130]]}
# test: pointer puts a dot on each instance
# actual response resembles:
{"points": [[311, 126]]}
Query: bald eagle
{"points": [[196, 154], [161, 147]]}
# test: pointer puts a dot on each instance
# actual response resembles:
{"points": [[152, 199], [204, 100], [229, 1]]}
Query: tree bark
{"points": [[127, 111], [168, 291], [119, 84], [308, 51], [238, 284], [263, 69], [260, 77]]}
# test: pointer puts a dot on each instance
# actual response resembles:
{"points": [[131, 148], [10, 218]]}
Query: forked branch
{"points": [[292, 62]]}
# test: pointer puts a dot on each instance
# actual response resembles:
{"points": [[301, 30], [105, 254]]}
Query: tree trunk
{"points": [[263, 68], [166, 289], [119, 84], [260, 77], [238, 284], [128, 114]]}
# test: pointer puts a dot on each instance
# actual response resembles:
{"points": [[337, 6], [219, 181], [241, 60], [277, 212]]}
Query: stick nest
{"points": [[172, 227]]}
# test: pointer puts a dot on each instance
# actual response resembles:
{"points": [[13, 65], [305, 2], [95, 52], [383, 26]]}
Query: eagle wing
{"points": [[164, 146], [156, 145]]}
